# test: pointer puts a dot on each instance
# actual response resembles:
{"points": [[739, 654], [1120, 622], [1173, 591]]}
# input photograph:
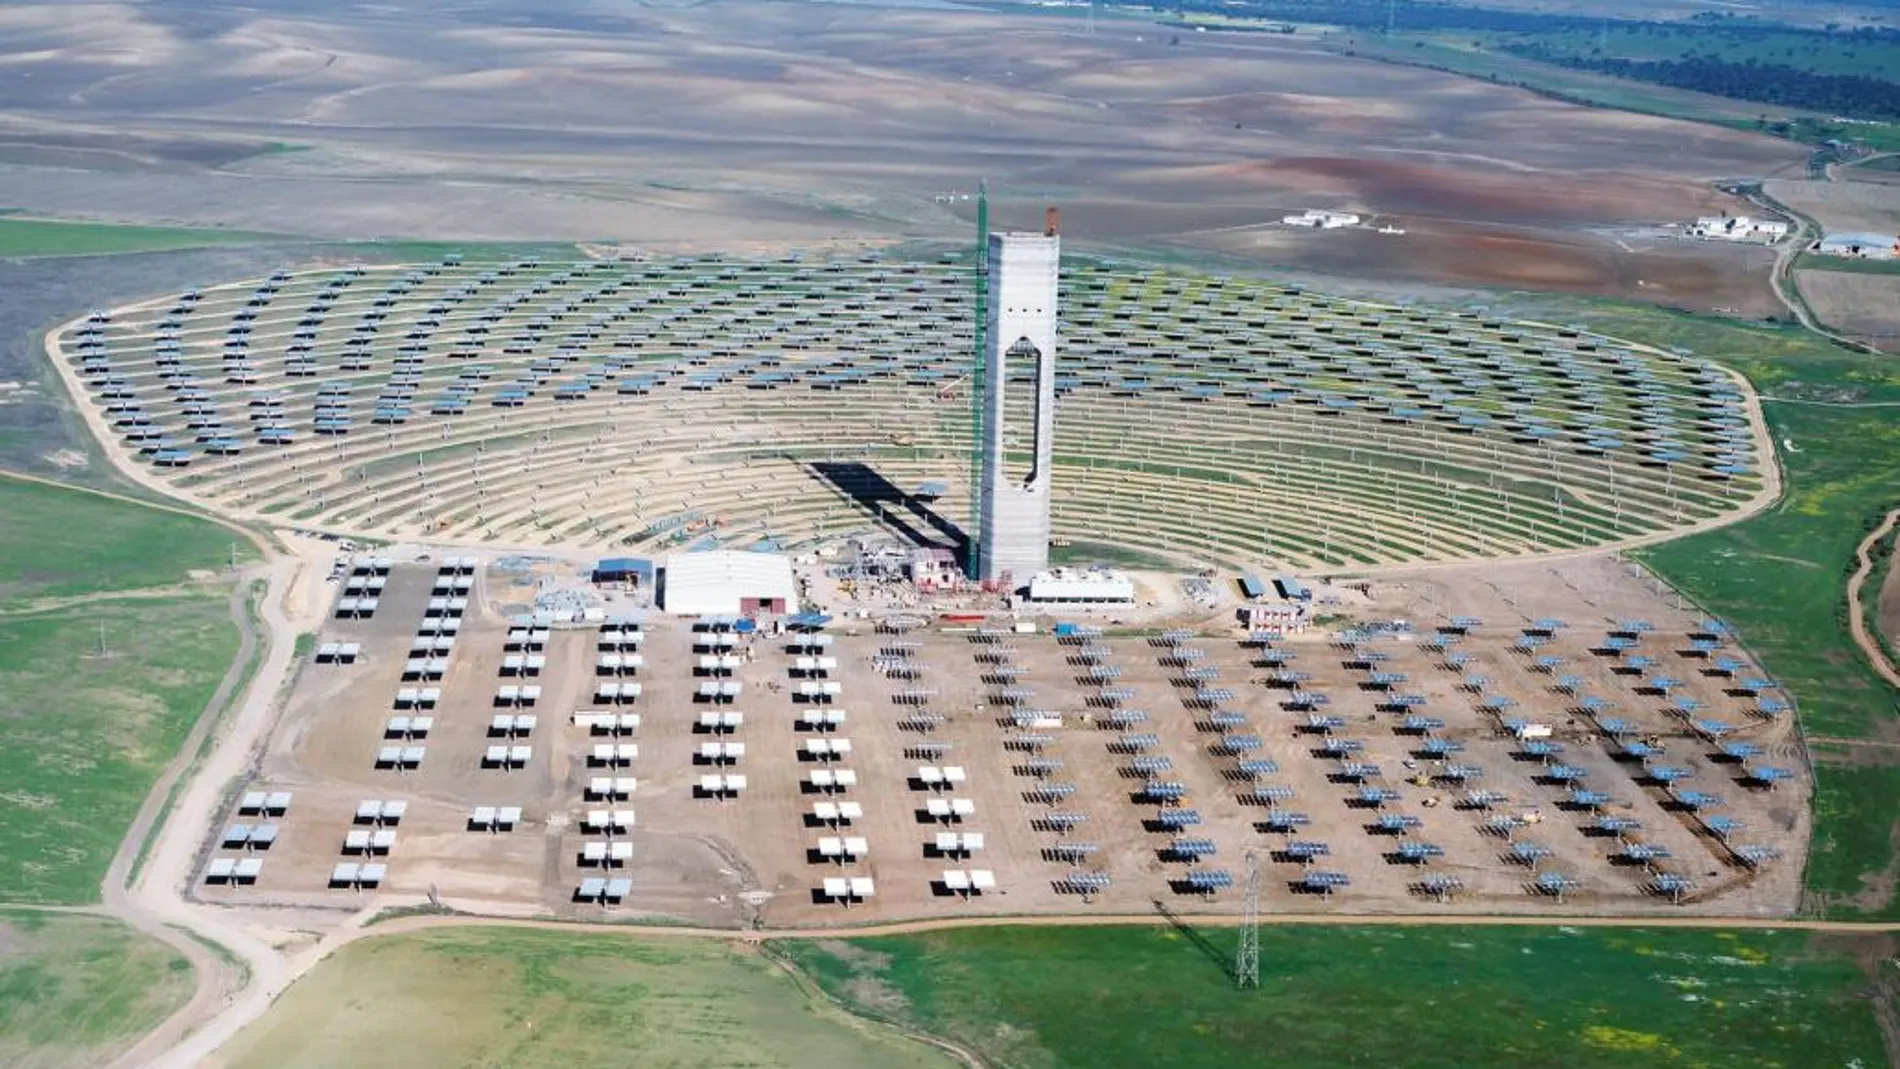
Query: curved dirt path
{"points": [[216, 975], [153, 908], [1856, 618], [1785, 280], [228, 996], [815, 992], [422, 923]]}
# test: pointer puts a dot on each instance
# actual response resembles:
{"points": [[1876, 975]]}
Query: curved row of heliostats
{"points": [[1204, 419]]}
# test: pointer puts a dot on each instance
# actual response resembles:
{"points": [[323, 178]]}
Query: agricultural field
{"points": [[74, 990], [109, 650], [1468, 58], [1851, 72], [1804, 50], [1200, 144], [525, 998], [1847, 265], [87, 733], [1841, 207], [1465, 997], [47, 237], [1858, 298]]}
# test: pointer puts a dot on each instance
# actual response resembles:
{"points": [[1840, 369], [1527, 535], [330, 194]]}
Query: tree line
{"points": [[1855, 95]]}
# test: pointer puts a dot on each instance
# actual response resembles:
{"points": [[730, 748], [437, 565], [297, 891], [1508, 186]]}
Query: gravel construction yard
{"points": [[752, 860]]}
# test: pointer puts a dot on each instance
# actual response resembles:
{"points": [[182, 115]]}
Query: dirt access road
{"points": [[1856, 588]]}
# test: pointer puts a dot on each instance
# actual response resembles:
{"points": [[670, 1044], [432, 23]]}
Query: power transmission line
{"points": [[1247, 957]]}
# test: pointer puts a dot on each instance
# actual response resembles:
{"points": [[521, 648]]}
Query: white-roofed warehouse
{"points": [[727, 583]]}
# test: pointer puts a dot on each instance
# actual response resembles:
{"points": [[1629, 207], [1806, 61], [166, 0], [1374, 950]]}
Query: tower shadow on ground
{"points": [[913, 520], [1222, 960]]}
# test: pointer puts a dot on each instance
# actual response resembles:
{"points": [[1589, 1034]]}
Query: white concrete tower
{"points": [[1020, 330]]}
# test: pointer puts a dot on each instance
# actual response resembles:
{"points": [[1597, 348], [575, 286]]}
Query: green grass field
{"points": [[44, 237], [59, 543], [1084, 554], [397, 251], [1418, 998], [524, 998], [1849, 265], [86, 735], [76, 990], [1781, 577]]}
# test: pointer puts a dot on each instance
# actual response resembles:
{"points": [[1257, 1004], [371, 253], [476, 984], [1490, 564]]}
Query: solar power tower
{"points": [[1247, 957], [1019, 328]]}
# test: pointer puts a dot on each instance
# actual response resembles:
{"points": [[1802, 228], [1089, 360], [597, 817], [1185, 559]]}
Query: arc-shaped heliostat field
{"points": [[603, 404]]}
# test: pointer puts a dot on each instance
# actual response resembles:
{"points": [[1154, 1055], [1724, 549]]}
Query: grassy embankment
{"points": [[115, 628], [75, 990], [525, 998], [21, 237], [1466, 997]]}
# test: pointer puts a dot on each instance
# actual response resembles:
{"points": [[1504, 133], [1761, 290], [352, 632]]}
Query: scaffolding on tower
{"points": [[973, 559]]}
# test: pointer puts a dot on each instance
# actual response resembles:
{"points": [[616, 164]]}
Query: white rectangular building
{"points": [[727, 583], [1076, 586]]}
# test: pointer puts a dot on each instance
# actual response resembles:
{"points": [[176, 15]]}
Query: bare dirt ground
{"points": [[1888, 607], [799, 124], [1863, 306], [709, 863]]}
